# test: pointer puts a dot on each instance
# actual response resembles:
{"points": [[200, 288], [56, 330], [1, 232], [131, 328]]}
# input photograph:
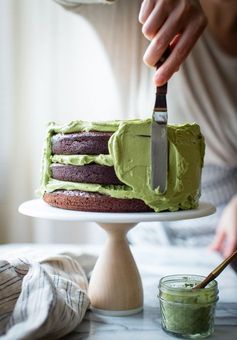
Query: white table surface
{"points": [[153, 263]]}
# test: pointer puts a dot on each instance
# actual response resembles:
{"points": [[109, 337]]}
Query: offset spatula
{"points": [[159, 141]]}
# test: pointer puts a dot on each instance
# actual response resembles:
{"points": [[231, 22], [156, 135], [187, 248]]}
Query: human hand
{"points": [[226, 236], [177, 23]]}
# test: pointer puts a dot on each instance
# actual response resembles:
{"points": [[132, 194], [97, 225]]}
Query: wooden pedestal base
{"points": [[115, 287]]}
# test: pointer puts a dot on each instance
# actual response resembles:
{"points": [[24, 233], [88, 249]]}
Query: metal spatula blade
{"points": [[159, 142]]}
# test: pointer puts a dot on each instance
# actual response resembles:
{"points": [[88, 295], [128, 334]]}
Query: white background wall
{"points": [[47, 73], [54, 66]]}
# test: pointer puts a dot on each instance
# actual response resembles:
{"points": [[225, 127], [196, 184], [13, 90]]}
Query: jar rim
{"points": [[178, 277]]}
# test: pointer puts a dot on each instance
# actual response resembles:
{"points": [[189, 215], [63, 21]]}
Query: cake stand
{"points": [[115, 286]]}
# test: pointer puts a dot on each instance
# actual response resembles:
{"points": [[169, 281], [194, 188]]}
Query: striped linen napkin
{"points": [[45, 299]]}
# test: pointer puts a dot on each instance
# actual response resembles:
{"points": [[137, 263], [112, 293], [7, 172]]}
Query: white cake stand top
{"points": [[38, 208]]}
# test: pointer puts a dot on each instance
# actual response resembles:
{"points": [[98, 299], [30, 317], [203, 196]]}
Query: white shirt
{"points": [[203, 90]]}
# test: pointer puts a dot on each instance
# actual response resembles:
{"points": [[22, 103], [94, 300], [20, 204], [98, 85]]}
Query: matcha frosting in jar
{"points": [[186, 312]]}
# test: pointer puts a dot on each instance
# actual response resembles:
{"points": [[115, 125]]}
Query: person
{"points": [[203, 90], [209, 76]]}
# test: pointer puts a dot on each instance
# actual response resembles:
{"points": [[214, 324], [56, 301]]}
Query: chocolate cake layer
{"points": [[90, 201], [81, 143], [91, 173]]}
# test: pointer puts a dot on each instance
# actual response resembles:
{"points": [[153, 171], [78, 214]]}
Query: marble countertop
{"points": [[153, 263]]}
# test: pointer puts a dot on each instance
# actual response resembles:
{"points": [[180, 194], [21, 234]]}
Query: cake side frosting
{"points": [[129, 153], [130, 148]]}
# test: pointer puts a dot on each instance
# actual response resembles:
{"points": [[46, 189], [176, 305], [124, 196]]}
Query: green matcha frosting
{"points": [[129, 153], [82, 159]]}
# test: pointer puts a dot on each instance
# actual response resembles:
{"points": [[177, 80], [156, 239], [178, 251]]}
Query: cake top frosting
{"points": [[129, 153]]}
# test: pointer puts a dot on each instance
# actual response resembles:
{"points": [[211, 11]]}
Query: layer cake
{"points": [[105, 167]]}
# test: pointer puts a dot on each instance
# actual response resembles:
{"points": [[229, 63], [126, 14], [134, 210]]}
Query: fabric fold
{"points": [[45, 299]]}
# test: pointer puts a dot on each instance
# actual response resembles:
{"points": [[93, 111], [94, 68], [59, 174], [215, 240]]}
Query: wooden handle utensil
{"points": [[216, 271]]}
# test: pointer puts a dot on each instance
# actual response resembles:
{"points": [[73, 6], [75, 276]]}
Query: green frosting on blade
{"points": [[129, 149], [82, 159]]}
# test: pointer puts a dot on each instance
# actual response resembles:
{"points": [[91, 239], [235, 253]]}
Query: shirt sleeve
{"points": [[74, 3]]}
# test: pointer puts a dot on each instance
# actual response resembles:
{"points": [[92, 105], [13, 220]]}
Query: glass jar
{"points": [[186, 312]]}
